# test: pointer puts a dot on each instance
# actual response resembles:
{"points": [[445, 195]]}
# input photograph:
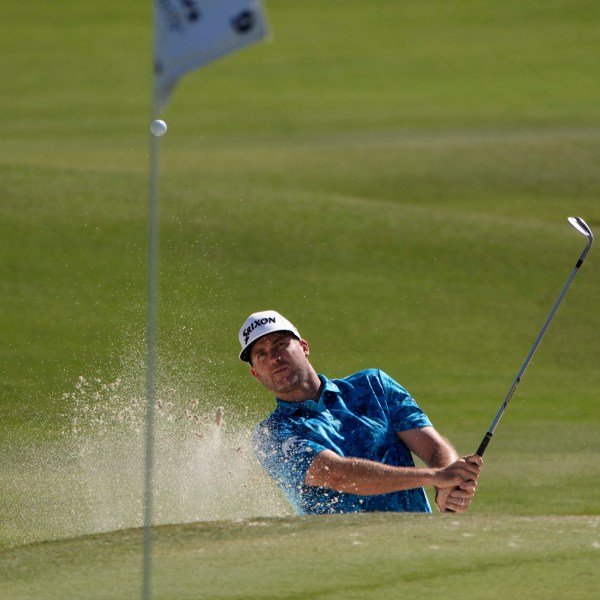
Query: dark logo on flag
{"points": [[193, 12], [179, 12], [244, 22]]}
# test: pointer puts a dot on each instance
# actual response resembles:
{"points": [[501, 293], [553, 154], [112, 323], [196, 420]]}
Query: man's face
{"points": [[279, 362]]}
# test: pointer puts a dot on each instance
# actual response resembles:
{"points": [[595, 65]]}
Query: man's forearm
{"points": [[443, 455], [430, 446], [364, 477]]}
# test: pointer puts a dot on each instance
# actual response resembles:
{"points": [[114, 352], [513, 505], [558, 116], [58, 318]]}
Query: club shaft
{"points": [[511, 391]]}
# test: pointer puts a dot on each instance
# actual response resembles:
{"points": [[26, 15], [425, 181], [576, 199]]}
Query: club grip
{"points": [[484, 443]]}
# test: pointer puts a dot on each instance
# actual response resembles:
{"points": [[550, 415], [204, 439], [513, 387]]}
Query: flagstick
{"points": [[172, 59], [150, 362]]}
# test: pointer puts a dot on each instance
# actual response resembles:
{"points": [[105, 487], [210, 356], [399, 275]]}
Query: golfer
{"points": [[346, 445]]}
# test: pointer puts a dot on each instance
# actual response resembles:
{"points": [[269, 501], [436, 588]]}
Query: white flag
{"points": [[191, 33]]}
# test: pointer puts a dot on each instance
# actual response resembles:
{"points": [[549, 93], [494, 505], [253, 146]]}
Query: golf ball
{"points": [[158, 127]]}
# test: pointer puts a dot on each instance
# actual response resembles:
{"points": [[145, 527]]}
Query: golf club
{"points": [[581, 226]]}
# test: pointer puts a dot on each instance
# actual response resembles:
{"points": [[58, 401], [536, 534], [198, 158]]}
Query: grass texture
{"points": [[334, 557], [395, 178]]}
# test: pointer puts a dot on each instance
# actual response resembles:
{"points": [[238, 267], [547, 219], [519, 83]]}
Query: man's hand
{"points": [[464, 472], [456, 499]]}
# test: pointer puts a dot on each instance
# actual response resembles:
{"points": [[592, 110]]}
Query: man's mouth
{"points": [[280, 369]]}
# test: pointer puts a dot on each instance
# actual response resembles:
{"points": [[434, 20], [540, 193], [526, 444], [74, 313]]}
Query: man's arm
{"points": [[436, 451], [431, 447], [369, 478]]}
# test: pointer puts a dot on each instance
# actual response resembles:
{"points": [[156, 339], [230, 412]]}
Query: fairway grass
{"points": [[341, 557], [393, 177], [396, 182]]}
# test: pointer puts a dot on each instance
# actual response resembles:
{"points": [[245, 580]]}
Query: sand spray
{"points": [[90, 478]]}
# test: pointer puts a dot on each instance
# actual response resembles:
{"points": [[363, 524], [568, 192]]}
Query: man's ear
{"points": [[253, 372], [304, 346]]}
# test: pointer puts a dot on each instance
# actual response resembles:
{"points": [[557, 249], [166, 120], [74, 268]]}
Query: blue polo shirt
{"points": [[357, 416]]}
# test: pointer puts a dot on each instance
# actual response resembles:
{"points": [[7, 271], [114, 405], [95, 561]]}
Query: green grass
{"points": [[358, 556], [395, 178]]}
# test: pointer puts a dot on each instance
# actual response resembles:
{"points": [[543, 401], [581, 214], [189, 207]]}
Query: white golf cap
{"points": [[259, 324]]}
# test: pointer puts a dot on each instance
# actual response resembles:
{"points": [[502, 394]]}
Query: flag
{"points": [[191, 33]]}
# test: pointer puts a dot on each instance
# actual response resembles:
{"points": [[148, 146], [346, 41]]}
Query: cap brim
{"points": [[245, 353]]}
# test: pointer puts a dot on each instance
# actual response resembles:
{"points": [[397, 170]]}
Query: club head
{"points": [[581, 226]]}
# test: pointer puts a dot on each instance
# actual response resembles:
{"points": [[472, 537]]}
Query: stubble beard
{"points": [[292, 382]]}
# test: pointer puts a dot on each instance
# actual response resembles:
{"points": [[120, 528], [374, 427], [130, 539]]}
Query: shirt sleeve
{"points": [[403, 411], [284, 455]]}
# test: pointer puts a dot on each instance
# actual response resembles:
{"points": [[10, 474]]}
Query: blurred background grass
{"points": [[395, 178]]}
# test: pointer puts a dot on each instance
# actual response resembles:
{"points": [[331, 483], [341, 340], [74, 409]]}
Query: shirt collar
{"points": [[329, 389]]}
